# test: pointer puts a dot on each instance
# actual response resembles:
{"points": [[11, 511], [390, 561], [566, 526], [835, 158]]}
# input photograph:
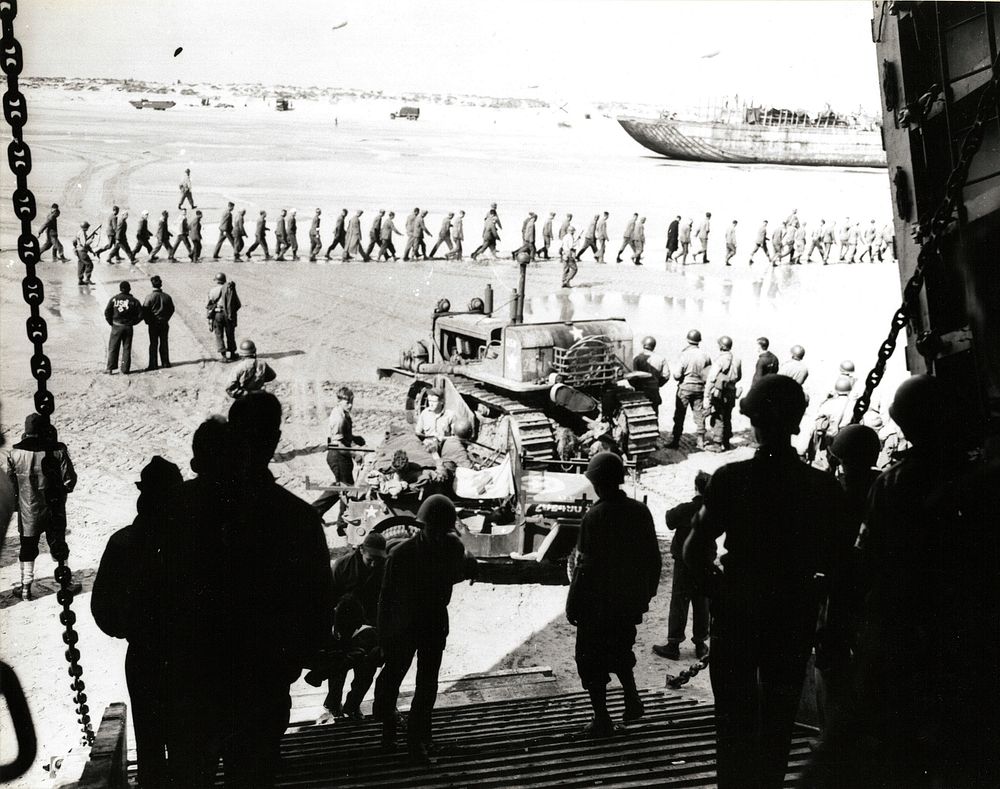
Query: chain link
{"points": [[15, 111], [687, 674], [930, 235]]}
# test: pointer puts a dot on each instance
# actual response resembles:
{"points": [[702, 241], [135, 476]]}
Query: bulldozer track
{"points": [[533, 429], [643, 430]]}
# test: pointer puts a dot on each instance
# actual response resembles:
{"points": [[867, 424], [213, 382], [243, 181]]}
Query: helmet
{"points": [[775, 399], [726, 343], [606, 468], [846, 367], [798, 352], [437, 511], [844, 385], [462, 428], [917, 401], [220, 277], [476, 304], [248, 348], [694, 336], [649, 343], [856, 444]]}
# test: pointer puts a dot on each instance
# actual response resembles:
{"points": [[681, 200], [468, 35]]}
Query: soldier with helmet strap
{"points": [[650, 362], [222, 310], [690, 376], [720, 389], [251, 375]]}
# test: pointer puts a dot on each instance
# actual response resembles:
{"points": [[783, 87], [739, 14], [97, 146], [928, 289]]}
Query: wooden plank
{"points": [[107, 767]]}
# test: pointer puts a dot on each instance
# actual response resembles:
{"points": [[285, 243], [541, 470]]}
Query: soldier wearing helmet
{"points": [[656, 367], [222, 311], [251, 374], [690, 376], [720, 389], [834, 413], [453, 448], [616, 576], [795, 368], [784, 522], [413, 619]]}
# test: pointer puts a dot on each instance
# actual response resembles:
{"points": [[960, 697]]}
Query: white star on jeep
{"points": [[371, 513], [577, 333]]}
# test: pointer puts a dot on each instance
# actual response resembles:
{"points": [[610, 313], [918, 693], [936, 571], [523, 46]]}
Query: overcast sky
{"points": [[797, 52]]}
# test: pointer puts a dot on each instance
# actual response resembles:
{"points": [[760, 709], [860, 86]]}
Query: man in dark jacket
{"points": [[157, 311], [786, 525], [142, 236], [225, 231], [121, 239], [196, 237], [163, 235], [672, 231], [183, 231], [260, 237], [125, 604], [617, 573], [247, 604], [767, 362], [683, 592], [413, 619], [51, 228], [122, 313], [41, 474]]}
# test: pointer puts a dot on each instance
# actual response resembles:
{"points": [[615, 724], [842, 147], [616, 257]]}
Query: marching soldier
{"points": [[386, 247], [760, 242], [185, 187], [627, 237], [182, 236], [143, 235], [564, 227], [225, 231], [411, 234], [315, 242], [50, 226], [375, 233], [239, 233], [639, 240], [527, 236], [601, 232], [353, 244], [260, 236], [196, 237], [458, 236], [162, 236], [702, 234], [543, 250], [293, 230], [673, 232], [444, 234], [339, 234], [280, 236], [590, 239], [121, 239], [110, 226], [684, 238], [423, 232]]}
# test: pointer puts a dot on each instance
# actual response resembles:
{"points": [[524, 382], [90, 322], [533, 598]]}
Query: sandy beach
{"points": [[322, 325]]}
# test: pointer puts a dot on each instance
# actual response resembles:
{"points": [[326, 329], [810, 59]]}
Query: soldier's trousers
{"points": [[260, 241], [52, 241], [372, 243], [120, 344], [693, 399], [387, 249], [591, 244], [225, 336], [186, 195], [398, 658], [340, 240], [682, 596], [140, 244], [84, 266], [196, 249], [315, 246], [356, 250], [456, 253], [160, 244], [177, 243], [227, 236], [364, 674], [159, 348], [445, 240], [412, 247], [293, 245], [604, 647], [144, 677], [569, 270]]}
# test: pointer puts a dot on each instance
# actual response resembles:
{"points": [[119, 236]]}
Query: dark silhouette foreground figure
{"points": [[785, 524], [248, 601], [616, 576], [922, 710], [125, 604]]}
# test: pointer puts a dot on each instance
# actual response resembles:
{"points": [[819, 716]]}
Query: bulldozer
{"points": [[548, 385]]}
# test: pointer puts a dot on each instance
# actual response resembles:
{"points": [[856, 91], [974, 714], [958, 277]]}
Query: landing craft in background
{"points": [[339, 25], [712, 54], [142, 104]]}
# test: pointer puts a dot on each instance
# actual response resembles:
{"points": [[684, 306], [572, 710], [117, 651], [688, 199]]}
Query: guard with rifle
{"points": [[81, 245]]}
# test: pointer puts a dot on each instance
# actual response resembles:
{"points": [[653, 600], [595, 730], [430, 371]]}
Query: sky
{"points": [[792, 52]]}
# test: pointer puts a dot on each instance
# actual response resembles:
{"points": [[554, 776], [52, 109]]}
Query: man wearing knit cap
{"points": [[413, 619], [122, 313], [40, 471]]}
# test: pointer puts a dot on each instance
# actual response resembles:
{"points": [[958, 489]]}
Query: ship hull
{"points": [[697, 141]]}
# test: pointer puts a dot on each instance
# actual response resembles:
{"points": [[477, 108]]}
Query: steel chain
{"points": [[687, 674], [930, 236], [15, 112]]}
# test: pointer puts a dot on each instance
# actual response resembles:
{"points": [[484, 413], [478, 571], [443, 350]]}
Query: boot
{"points": [[601, 726], [27, 577], [634, 708]]}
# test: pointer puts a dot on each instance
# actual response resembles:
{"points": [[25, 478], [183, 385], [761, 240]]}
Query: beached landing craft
{"points": [[752, 135], [141, 104]]}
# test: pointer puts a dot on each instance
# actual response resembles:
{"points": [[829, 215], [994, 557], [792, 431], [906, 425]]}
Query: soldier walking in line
{"points": [[293, 237], [685, 240], [386, 247], [51, 228], [853, 241], [122, 313], [239, 233], [639, 240], [568, 254], [444, 234], [260, 237], [816, 241], [543, 250], [827, 240], [617, 575], [491, 234], [423, 234], [885, 240], [196, 237], [162, 236], [868, 242], [225, 231], [602, 236], [799, 242], [82, 248], [182, 236], [185, 187], [315, 242], [730, 243], [121, 239], [110, 226], [375, 233], [457, 235], [527, 236], [843, 239], [411, 234], [590, 239], [627, 237], [564, 227], [777, 244], [690, 377], [702, 234], [673, 232], [157, 311], [143, 235], [280, 236], [339, 234], [353, 245], [760, 242]]}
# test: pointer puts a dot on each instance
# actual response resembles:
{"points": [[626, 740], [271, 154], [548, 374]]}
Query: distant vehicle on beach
{"points": [[410, 113], [755, 135], [142, 104], [283, 105]]}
